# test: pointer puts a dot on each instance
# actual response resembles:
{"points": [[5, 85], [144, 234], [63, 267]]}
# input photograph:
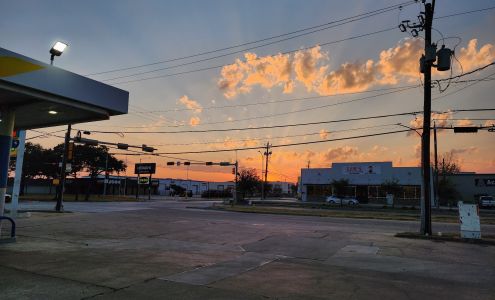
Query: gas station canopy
{"points": [[42, 95]]}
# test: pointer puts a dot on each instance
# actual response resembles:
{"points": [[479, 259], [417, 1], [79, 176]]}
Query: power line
{"points": [[334, 104], [282, 126], [279, 101], [220, 66], [291, 112], [250, 60], [381, 10], [275, 137], [241, 51], [465, 87], [261, 127], [320, 97], [137, 153], [465, 13], [288, 145]]}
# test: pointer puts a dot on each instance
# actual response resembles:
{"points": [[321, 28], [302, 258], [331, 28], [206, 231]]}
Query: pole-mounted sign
{"points": [[145, 168]]}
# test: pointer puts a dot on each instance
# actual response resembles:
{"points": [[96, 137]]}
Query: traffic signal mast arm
{"points": [[122, 146]]}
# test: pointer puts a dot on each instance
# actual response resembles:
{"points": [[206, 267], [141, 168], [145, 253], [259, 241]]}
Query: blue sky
{"points": [[104, 35]]}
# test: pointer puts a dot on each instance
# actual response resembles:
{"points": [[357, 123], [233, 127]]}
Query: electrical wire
{"points": [[392, 7], [290, 112], [465, 13], [220, 66], [261, 127], [290, 144], [273, 138], [465, 87], [413, 113], [250, 60], [278, 101]]}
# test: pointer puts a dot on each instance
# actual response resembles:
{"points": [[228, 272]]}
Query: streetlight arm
{"points": [[415, 129]]}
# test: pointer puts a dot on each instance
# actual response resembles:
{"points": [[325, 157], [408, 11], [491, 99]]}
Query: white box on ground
{"points": [[469, 218]]}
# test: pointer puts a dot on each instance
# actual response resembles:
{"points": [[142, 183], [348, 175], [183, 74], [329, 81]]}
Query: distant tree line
{"points": [[40, 162]]}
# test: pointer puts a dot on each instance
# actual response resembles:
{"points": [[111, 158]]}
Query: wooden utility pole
{"points": [[429, 58]]}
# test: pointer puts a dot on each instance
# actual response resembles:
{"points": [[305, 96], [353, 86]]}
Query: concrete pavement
{"points": [[163, 250]]}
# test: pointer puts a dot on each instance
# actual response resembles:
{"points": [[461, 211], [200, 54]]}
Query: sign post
{"points": [[144, 168]]}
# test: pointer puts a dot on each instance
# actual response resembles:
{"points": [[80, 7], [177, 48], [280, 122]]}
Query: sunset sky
{"points": [[362, 68]]}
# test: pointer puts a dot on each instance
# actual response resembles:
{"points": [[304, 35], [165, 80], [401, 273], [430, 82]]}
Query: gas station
{"points": [[34, 95]]}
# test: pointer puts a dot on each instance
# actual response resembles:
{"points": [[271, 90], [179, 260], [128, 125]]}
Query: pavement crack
{"points": [[57, 277]]}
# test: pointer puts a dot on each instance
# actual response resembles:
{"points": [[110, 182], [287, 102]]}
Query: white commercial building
{"points": [[366, 182], [195, 186]]}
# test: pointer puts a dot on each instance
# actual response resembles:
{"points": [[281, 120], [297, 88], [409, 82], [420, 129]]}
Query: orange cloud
{"points": [[471, 58], [194, 121], [311, 69], [489, 123], [267, 72], [464, 123], [400, 62], [191, 104], [306, 67]]}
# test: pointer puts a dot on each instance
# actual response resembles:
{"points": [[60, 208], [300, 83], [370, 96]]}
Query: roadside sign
{"points": [[145, 168], [144, 180], [56, 181]]}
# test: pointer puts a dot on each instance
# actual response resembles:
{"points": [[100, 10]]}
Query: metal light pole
{"points": [[57, 50]]}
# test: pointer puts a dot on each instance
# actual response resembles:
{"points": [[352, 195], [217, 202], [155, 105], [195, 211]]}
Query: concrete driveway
{"points": [[163, 250]]}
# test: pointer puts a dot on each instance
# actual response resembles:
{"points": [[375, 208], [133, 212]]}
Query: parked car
{"points": [[345, 200], [8, 198], [486, 201]]}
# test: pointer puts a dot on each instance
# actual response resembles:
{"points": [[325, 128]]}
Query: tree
{"points": [[93, 160], [248, 182], [448, 165], [339, 188]]}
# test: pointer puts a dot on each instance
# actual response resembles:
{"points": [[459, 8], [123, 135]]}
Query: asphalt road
{"points": [[164, 250]]}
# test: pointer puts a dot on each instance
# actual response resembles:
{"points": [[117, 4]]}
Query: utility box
{"points": [[390, 199], [469, 218]]}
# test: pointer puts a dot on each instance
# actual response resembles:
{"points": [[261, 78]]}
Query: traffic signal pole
{"points": [[60, 199]]}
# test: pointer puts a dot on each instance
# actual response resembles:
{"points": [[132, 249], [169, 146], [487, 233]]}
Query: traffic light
{"points": [[147, 148], [209, 163], [466, 129], [70, 151], [187, 163], [170, 163], [233, 170], [122, 146]]}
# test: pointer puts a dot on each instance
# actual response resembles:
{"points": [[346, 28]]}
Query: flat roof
{"points": [[33, 88]]}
